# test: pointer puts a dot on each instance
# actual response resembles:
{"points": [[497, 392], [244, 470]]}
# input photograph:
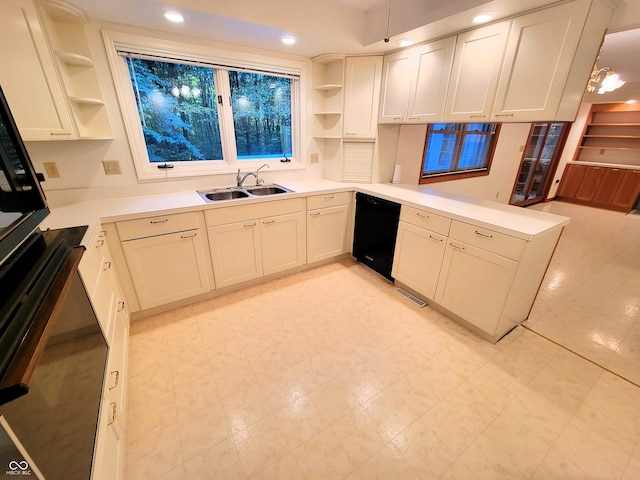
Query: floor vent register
{"points": [[413, 298]]}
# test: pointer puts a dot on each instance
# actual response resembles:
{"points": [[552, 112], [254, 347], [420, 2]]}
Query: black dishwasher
{"points": [[374, 238]]}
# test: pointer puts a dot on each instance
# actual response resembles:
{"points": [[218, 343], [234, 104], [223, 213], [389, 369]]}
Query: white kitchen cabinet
{"points": [[538, 58], [414, 83], [328, 91], [283, 242], [420, 247], [474, 76], [327, 220], [474, 284], [110, 456], [362, 96], [235, 252], [28, 76], [250, 241], [166, 257]]}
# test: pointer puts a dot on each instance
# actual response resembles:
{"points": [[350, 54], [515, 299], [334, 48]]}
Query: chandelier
{"points": [[603, 80]]}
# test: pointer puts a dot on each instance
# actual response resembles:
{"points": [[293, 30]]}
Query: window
{"points": [[190, 113], [458, 149]]}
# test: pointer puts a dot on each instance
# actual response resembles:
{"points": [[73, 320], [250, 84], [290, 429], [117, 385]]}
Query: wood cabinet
{"points": [[33, 91], [474, 76], [538, 58], [614, 188], [361, 96], [414, 83], [327, 220], [247, 242], [166, 257]]}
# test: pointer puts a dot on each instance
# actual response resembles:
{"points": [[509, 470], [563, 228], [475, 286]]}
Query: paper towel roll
{"points": [[397, 174]]}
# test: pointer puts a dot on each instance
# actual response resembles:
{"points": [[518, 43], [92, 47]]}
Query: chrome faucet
{"points": [[240, 180]]}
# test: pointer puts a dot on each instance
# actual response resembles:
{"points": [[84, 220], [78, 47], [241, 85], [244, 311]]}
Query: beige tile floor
{"points": [[330, 374], [590, 298]]}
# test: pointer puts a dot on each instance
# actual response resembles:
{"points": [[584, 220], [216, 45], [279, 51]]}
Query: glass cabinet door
{"points": [[540, 158]]}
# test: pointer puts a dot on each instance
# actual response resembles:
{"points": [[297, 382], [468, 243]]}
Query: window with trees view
{"points": [[192, 109], [458, 150], [178, 108]]}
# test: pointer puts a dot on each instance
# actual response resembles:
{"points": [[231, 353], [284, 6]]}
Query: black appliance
{"points": [[375, 232], [23, 205]]}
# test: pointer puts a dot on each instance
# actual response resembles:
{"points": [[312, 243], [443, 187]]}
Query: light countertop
{"points": [[515, 221]]}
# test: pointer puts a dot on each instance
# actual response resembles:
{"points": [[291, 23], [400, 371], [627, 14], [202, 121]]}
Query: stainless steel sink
{"points": [[232, 193], [267, 190]]}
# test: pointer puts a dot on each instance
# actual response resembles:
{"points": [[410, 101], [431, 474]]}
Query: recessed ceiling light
{"points": [[288, 40], [482, 18], [407, 42], [631, 102], [174, 17]]}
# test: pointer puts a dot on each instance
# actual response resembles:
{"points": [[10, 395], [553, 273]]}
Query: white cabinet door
{"points": [[414, 83], [235, 252], [474, 284], [418, 258], [429, 82], [538, 58], [397, 70], [28, 75], [362, 96], [326, 232], [283, 242], [167, 268], [474, 77], [109, 458]]}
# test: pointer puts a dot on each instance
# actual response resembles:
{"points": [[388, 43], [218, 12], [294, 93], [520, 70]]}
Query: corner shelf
{"points": [[64, 25]]}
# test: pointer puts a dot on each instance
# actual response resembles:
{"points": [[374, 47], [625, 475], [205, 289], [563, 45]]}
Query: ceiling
{"points": [[354, 26]]}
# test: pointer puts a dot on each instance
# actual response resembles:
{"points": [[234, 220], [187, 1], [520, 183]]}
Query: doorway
{"points": [[539, 162]]}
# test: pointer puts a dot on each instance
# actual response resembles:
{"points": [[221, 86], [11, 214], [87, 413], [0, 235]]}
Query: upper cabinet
{"points": [[55, 93], [362, 91], [64, 25], [28, 77], [532, 68], [537, 62], [474, 77], [414, 83]]}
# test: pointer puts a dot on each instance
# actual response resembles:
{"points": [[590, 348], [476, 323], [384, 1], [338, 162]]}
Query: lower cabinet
{"points": [[327, 220], [166, 257], [247, 242], [418, 258], [474, 284]]}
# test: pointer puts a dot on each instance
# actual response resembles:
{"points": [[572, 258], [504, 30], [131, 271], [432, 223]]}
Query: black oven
{"points": [[51, 380]]}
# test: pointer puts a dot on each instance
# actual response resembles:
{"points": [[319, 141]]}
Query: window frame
{"points": [[463, 173], [217, 58]]}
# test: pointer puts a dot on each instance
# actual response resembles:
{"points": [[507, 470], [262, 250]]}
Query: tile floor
{"points": [[330, 374]]}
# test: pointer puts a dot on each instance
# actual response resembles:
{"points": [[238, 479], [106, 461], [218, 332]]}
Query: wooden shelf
{"points": [[74, 59], [605, 147], [612, 136], [328, 86]]}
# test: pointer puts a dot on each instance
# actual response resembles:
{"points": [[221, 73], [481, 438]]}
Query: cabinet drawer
{"points": [[151, 226], [489, 240], [251, 211], [91, 261], [328, 200], [424, 219]]}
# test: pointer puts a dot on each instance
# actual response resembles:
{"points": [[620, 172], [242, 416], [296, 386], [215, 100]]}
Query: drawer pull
{"points": [[329, 197], [121, 306], [268, 222], [314, 214], [99, 243], [456, 246], [106, 266], [116, 379], [483, 235], [436, 238], [350, 134], [114, 412], [249, 225], [188, 236], [504, 115], [422, 215], [153, 222], [477, 116]]}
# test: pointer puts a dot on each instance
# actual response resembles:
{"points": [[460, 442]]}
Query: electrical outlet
{"points": [[111, 167], [52, 169], [313, 158]]}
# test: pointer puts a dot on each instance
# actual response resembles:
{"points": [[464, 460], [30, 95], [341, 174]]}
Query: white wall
{"points": [[497, 186]]}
